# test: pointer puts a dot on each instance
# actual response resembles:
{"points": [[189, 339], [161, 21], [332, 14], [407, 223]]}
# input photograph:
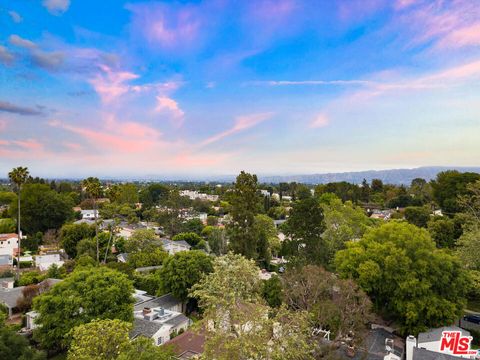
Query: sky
{"points": [[204, 88]]}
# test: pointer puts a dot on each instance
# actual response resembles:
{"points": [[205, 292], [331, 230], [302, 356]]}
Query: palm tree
{"points": [[93, 188], [18, 176]]}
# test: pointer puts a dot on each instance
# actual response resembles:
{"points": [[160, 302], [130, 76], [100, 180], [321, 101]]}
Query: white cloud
{"points": [[15, 16], [56, 7]]}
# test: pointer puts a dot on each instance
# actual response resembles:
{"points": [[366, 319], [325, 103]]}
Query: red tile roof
{"points": [[187, 345]]}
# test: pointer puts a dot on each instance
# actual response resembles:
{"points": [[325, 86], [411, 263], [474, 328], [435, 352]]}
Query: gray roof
{"points": [[436, 334], [423, 354], [180, 242], [9, 297], [177, 320], [167, 302], [148, 268], [145, 328]]}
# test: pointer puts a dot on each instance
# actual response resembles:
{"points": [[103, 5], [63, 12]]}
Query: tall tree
{"points": [[245, 204], [18, 176], [93, 188], [304, 230]]}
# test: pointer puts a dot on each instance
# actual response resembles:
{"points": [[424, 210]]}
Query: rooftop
{"points": [[188, 344]]}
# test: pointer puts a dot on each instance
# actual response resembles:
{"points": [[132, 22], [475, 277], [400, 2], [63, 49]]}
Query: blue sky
{"points": [[112, 88]]}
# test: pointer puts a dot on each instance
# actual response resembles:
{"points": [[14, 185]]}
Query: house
{"points": [[428, 345], [122, 257], [89, 214], [43, 262], [173, 247], [188, 345], [6, 262], [159, 318], [9, 295], [8, 244]]}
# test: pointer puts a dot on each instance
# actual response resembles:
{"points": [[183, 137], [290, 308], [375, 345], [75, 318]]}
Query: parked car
{"points": [[472, 318]]}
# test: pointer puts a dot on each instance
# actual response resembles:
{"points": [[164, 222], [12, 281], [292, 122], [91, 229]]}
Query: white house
{"points": [[428, 345], [8, 244], [89, 214], [173, 247], [43, 262], [159, 318]]}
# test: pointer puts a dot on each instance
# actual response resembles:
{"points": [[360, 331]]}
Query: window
{"points": [[159, 341]]}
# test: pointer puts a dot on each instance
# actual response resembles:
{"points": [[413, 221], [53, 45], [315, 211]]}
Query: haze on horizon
{"points": [[135, 88]]}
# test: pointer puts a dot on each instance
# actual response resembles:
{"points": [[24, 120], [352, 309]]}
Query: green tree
{"points": [[266, 235], [86, 294], [193, 226], [93, 188], [442, 231], [42, 208], [190, 237], [343, 222], [245, 204], [153, 194], [109, 340], [16, 347], [183, 270], [142, 240], [99, 340], [304, 230], [7, 226], [468, 246], [234, 279], [18, 176], [153, 257], [417, 215], [404, 273], [71, 234], [448, 186], [217, 239], [237, 321], [272, 291]]}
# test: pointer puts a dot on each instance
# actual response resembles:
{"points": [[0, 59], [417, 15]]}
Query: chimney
{"points": [[410, 344], [146, 311]]}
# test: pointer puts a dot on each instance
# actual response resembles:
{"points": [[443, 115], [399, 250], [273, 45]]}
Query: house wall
{"points": [[8, 245]]}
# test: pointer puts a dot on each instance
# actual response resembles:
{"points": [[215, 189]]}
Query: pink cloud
{"points": [[111, 84], [29, 144], [467, 36], [241, 123], [320, 121], [3, 125], [166, 104]]}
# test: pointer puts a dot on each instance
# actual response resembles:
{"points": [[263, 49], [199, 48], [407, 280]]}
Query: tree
{"points": [[468, 246], [304, 230], [339, 306], [86, 294], [109, 340], [417, 215], [343, 222], [234, 279], [18, 176], [183, 270], [99, 340], [193, 226], [142, 240], [245, 204], [442, 231], [93, 188], [470, 203], [43, 208], [272, 291], [267, 237], [400, 268], [190, 237], [449, 186], [217, 239], [237, 322], [153, 257], [7, 226], [16, 347], [153, 195], [377, 185], [71, 234]]}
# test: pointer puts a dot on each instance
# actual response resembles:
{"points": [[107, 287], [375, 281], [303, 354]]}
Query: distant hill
{"points": [[394, 176]]}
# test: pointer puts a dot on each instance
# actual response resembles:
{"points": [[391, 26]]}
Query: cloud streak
{"points": [[8, 107], [56, 7], [242, 123]]}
